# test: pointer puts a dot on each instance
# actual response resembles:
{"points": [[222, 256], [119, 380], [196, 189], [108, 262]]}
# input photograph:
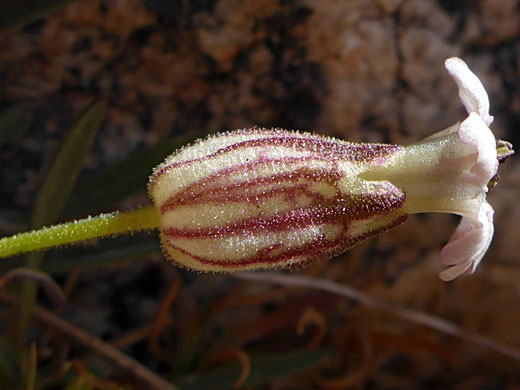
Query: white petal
{"points": [[453, 272], [471, 91], [473, 131], [468, 244]]}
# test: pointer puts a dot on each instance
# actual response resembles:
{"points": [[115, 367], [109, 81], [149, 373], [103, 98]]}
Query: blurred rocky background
{"points": [[359, 70]]}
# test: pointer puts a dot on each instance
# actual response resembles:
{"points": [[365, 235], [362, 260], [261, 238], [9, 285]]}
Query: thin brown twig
{"points": [[415, 316], [160, 320], [72, 278], [136, 335], [48, 284], [125, 362], [61, 342]]}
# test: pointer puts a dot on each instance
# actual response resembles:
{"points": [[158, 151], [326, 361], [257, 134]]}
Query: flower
{"points": [[450, 171], [473, 236], [272, 198]]}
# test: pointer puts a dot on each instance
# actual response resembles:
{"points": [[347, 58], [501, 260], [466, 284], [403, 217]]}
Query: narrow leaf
{"points": [[120, 180], [65, 168], [56, 188]]}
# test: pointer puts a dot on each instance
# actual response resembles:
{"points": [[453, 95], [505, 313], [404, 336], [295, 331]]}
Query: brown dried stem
{"points": [[415, 316], [160, 320], [125, 362], [48, 284]]}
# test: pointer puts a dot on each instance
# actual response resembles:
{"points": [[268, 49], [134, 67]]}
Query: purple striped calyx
{"points": [[271, 198], [261, 198]]}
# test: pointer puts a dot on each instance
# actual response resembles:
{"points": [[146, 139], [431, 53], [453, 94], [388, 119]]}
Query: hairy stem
{"points": [[92, 227]]}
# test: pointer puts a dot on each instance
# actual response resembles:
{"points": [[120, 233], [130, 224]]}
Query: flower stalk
{"points": [[81, 230]]}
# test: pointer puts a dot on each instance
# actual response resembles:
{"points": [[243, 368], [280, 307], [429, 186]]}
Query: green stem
{"points": [[92, 227]]}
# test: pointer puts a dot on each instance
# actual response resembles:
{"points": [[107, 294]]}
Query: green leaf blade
{"points": [[56, 188], [66, 166], [120, 180]]}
